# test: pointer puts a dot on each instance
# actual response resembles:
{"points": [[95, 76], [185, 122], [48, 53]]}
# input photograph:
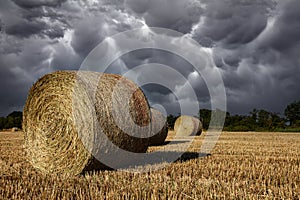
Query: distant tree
{"points": [[205, 116], [292, 113], [277, 121], [227, 119], [239, 123], [264, 119], [2, 122], [14, 119], [253, 114], [171, 121], [252, 120], [218, 118], [15, 114]]}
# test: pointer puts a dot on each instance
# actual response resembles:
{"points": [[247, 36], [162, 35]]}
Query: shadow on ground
{"points": [[191, 155], [172, 142], [149, 160]]}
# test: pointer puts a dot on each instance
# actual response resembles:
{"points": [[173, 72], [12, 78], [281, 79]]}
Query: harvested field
{"points": [[243, 165]]}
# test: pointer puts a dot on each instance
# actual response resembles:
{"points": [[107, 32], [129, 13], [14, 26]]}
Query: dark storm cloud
{"points": [[33, 43], [177, 15], [101, 20], [182, 66], [14, 86], [25, 28], [138, 6], [179, 88], [35, 18], [286, 30], [28, 4], [54, 32], [228, 26], [262, 71], [233, 22], [139, 57], [88, 33], [24, 48], [254, 43]]}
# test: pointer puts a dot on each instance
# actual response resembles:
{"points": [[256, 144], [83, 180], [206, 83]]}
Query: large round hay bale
{"points": [[62, 112], [159, 127], [187, 125]]}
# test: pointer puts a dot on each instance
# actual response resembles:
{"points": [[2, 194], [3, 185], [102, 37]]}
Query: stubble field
{"points": [[243, 165]]}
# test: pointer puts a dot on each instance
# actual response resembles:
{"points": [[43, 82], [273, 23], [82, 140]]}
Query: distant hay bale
{"points": [[14, 129], [61, 116], [159, 127], [187, 125]]}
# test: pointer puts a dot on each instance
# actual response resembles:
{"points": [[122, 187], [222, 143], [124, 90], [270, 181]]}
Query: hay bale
{"points": [[159, 127], [14, 129], [187, 125], [61, 115]]}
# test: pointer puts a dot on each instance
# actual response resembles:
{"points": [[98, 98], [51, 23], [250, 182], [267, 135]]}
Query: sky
{"points": [[254, 44]]}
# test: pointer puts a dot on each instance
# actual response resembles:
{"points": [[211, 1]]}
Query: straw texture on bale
{"points": [[159, 127], [60, 117], [187, 125]]}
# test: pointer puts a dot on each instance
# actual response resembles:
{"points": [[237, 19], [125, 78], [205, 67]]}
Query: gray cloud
{"points": [[87, 35], [25, 28], [13, 92], [231, 23], [158, 94], [138, 6], [177, 15], [32, 18], [285, 33], [255, 44], [28, 4], [264, 73]]}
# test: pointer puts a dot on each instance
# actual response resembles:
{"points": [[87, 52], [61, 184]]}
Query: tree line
{"points": [[256, 120], [13, 120]]}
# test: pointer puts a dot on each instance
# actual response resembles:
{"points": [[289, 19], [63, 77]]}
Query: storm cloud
{"points": [[253, 43]]}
